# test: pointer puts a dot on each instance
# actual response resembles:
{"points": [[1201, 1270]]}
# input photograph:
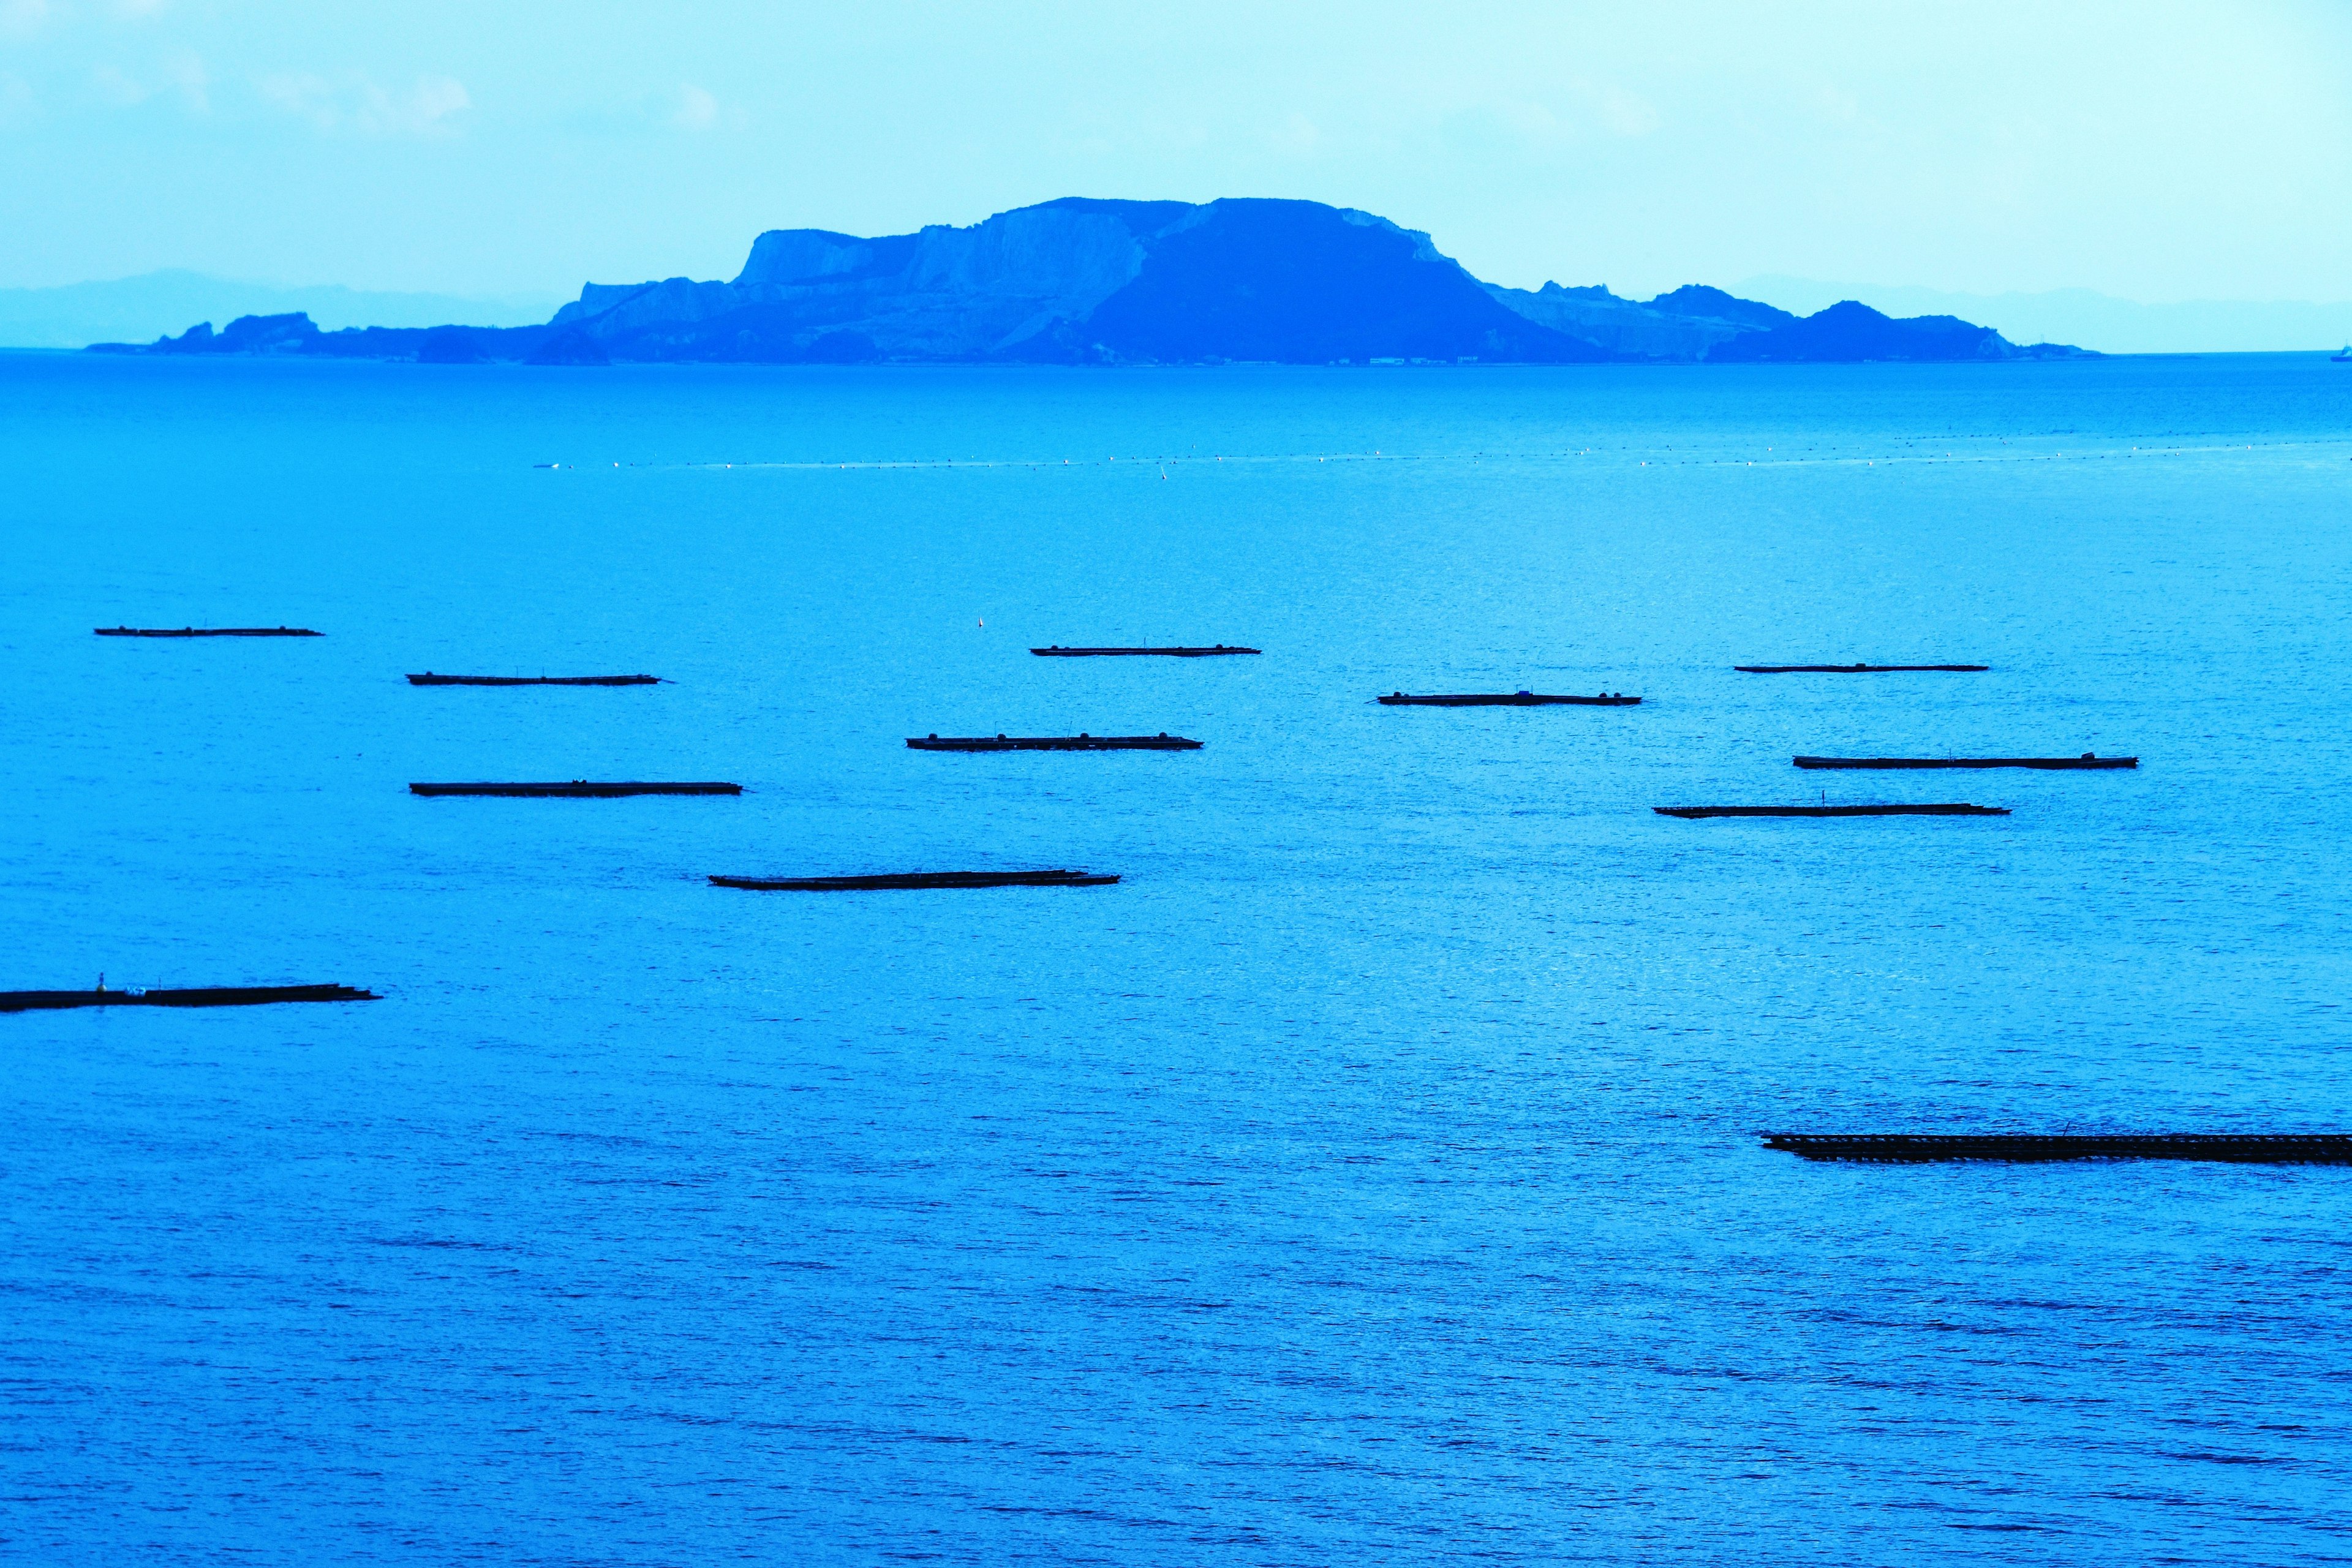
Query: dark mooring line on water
{"points": [[1163, 741], [1507, 700], [206, 632], [576, 789], [1851, 668], [430, 678], [1949, 809], [201, 997], [1898, 1147], [2087, 760], [1058, 651], [912, 879]]}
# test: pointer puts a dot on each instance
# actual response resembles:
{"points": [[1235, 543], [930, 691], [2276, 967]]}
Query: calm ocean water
{"points": [[1371, 1176]]}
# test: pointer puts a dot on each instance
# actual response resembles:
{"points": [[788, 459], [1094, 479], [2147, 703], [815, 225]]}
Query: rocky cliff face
{"points": [[1622, 326], [1080, 281], [1084, 281]]}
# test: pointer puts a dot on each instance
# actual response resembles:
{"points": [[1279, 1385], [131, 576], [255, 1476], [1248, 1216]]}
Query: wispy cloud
{"points": [[119, 87], [699, 109], [22, 19], [186, 74], [17, 102], [356, 102], [1627, 113]]}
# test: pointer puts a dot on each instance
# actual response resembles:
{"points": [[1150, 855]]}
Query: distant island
{"points": [[1081, 281]]}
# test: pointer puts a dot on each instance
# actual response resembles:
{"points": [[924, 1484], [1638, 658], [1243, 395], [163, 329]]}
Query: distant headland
{"points": [[1080, 281]]}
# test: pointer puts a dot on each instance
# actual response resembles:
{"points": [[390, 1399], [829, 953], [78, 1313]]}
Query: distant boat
{"points": [[2085, 761], [1058, 651], [894, 880], [430, 678], [1507, 700], [202, 997], [575, 789], [206, 632], [1082, 741], [1693, 813], [2344, 358], [1850, 669]]}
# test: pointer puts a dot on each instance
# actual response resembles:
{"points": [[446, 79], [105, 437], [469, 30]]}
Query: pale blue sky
{"points": [[2156, 152]]}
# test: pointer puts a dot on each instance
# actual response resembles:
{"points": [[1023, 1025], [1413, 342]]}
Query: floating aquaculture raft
{"points": [[206, 632], [576, 789], [2085, 761], [1850, 669], [1057, 651], [918, 880], [2245, 1148], [203, 997], [1505, 700], [1159, 742], [1694, 812], [430, 678]]}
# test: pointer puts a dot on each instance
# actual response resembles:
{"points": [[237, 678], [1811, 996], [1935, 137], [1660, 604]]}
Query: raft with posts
{"points": [[1692, 812], [1058, 651], [430, 678], [1507, 700], [1911, 1149], [575, 789], [1082, 741], [200, 997], [1854, 668], [908, 879], [206, 632], [2088, 760]]}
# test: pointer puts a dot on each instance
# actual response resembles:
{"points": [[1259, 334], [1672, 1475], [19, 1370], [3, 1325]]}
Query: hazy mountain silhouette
{"points": [[1081, 281]]}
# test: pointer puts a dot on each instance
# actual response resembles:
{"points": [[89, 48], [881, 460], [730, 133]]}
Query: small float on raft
{"points": [[2088, 760], [1507, 700], [911, 880], [206, 632], [1908, 1148], [200, 997], [1693, 813], [1082, 741], [1058, 651], [430, 678], [1853, 669], [576, 789]]}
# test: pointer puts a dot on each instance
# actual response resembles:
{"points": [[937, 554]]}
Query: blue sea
{"points": [[1372, 1176]]}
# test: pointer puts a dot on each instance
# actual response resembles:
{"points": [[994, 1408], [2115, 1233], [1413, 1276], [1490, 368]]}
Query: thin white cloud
{"points": [[17, 102], [697, 109], [1628, 114], [187, 73], [356, 103], [22, 19], [117, 86]]}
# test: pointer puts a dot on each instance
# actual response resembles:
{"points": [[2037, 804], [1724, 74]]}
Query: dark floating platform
{"points": [[2085, 761], [1851, 668], [576, 789], [1507, 700], [918, 880], [206, 632], [2241, 1148], [1695, 812], [203, 997], [430, 678], [1057, 651], [1162, 741]]}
